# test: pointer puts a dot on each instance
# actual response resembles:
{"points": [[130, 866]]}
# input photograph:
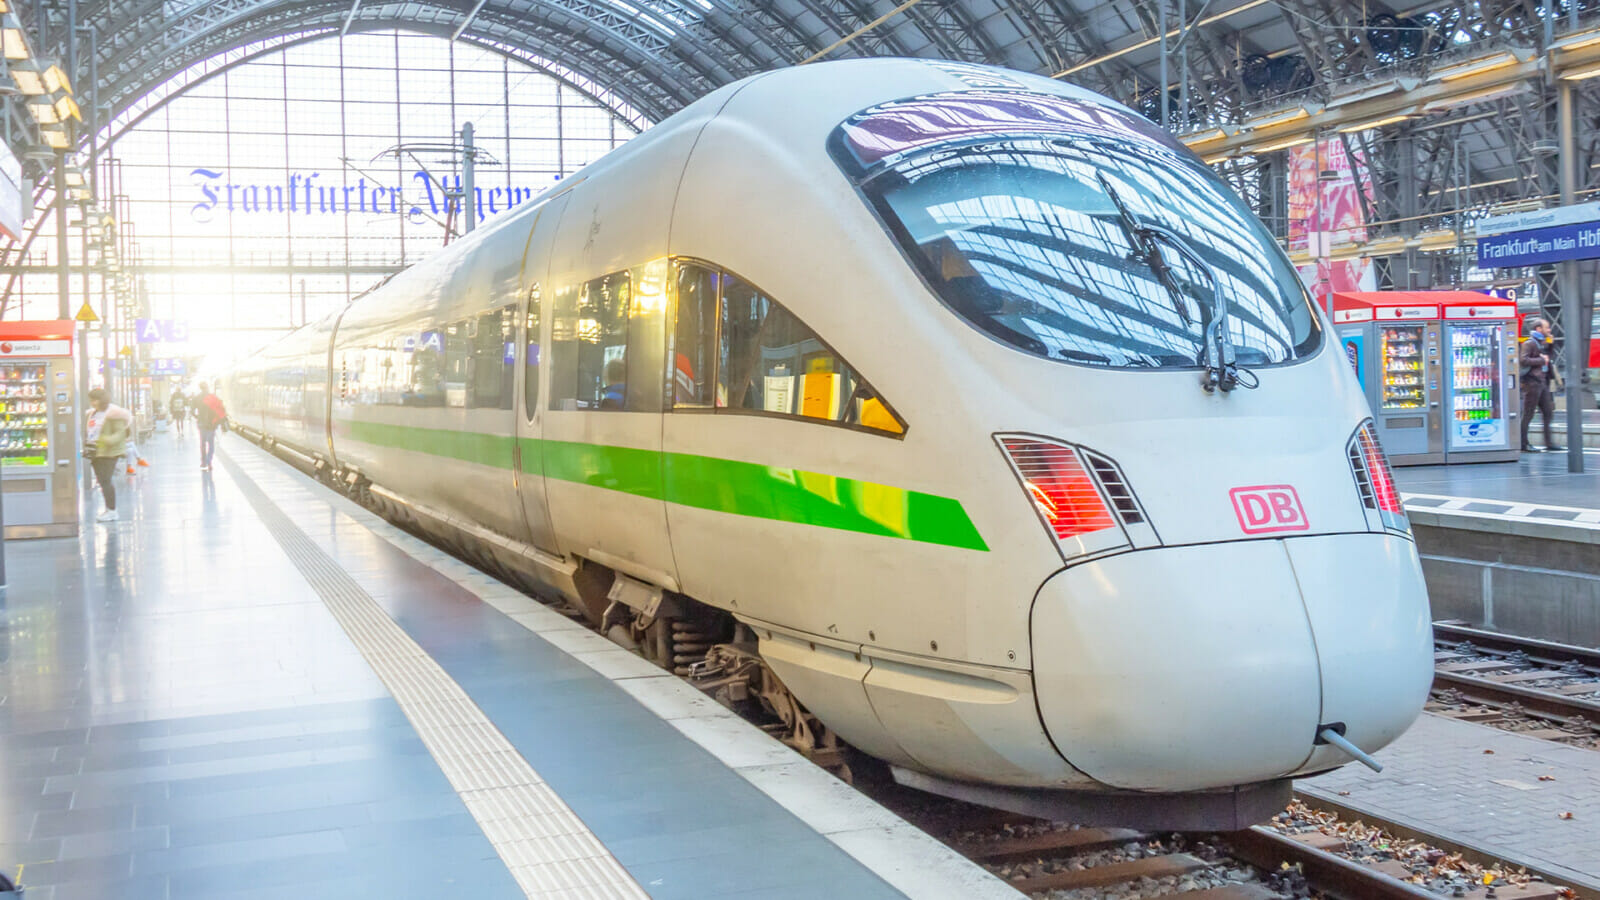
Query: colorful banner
{"points": [[1317, 226]]}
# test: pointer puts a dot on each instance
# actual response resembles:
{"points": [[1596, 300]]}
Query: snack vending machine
{"points": [[39, 429], [1392, 341], [1483, 400]]}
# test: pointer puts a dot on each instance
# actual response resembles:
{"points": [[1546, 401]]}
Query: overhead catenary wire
{"points": [[863, 30]]}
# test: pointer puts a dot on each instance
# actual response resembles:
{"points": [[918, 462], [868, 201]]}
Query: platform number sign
{"points": [[1268, 508], [156, 331]]}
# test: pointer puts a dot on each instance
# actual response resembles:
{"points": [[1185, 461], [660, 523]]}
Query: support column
{"points": [[1161, 89], [1572, 304], [469, 196], [63, 272], [1407, 196]]}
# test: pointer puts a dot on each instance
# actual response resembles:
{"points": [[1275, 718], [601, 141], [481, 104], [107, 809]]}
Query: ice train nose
{"points": [[1188, 668]]}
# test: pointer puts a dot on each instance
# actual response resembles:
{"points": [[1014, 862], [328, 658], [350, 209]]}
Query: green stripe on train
{"points": [[706, 482]]}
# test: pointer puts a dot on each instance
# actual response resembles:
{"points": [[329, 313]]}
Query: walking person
{"points": [[105, 440], [1535, 381], [210, 415], [177, 408]]}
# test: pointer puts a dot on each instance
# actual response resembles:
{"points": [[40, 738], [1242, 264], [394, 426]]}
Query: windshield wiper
{"points": [[1145, 249], [1217, 354]]}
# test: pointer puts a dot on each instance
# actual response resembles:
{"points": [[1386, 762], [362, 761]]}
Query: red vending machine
{"points": [[1392, 341], [1482, 401], [39, 428]]}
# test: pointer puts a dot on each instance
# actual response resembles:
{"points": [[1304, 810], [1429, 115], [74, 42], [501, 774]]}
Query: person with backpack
{"points": [[176, 406], [210, 415]]}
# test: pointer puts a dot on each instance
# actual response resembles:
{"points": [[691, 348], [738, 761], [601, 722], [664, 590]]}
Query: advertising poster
{"points": [[1354, 353], [13, 215], [1338, 219]]}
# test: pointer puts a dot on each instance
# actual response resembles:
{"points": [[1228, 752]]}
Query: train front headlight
{"points": [[1081, 496], [1375, 482]]}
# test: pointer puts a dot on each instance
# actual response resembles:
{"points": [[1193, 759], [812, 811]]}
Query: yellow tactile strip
{"points": [[548, 849]]}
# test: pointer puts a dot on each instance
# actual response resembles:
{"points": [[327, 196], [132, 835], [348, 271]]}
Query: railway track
{"points": [[1307, 852], [1537, 688]]}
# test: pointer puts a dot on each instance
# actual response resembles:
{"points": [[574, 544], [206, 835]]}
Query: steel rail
{"points": [[1534, 647], [1531, 700], [1471, 852], [1327, 872]]}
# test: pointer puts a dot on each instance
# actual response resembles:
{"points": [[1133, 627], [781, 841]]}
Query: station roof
{"points": [[648, 58]]}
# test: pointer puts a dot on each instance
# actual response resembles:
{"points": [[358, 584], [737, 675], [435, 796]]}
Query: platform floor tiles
{"points": [[250, 687], [1481, 787], [1536, 480]]}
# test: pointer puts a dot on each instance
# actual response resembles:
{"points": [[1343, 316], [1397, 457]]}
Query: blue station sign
{"points": [[1538, 237]]}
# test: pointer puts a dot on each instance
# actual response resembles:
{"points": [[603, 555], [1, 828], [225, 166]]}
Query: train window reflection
{"points": [[1018, 235], [771, 362], [457, 346], [694, 336], [493, 352], [530, 368], [589, 345]]}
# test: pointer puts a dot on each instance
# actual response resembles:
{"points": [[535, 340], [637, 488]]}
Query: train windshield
{"points": [[1008, 204]]}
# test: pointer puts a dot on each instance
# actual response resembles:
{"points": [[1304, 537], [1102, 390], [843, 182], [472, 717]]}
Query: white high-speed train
{"points": [[924, 375]]}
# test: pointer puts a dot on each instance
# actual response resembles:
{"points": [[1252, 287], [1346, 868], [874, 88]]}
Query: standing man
{"points": [[105, 440], [209, 415], [1535, 380]]}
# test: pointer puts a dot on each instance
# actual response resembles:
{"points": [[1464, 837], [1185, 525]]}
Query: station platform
{"points": [[250, 688], [1537, 486], [1481, 787]]}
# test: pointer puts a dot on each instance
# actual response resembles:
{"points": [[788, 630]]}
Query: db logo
{"points": [[1265, 508]]}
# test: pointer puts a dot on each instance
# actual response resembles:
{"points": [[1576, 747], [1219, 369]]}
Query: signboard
{"points": [[36, 348], [1539, 218], [155, 331], [1403, 313], [166, 367], [1542, 236], [1480, 312]]}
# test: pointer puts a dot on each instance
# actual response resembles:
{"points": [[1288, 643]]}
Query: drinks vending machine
{"points": [[39, 429], [1482, 402], [1439, 370], [1392, 341]]}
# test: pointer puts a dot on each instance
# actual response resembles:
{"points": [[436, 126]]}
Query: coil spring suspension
{"points": [[689, 645]]}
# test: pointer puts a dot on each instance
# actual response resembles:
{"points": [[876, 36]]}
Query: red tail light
{"points": [[1383, 488], [1060, 486]]}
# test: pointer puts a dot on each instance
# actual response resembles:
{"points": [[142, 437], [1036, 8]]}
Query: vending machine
{"points": [[39, 428], [1482, 401], [1392, 341]]}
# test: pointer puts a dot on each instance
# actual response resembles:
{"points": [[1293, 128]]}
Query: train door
{"points": [[528, 468], [602, 429]]}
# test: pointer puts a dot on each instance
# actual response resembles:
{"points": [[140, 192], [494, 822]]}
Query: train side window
{"points": [[457, 350], [589, 345], [427, 386], [490, 371], [647, 337], [530, 364], [603, 343], [564, 350], [772, 362], [694, 337]]}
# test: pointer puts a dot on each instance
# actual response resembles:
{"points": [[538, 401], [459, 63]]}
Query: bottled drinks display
{"points": [[1475, 372], [24, 416], [1402, 367]]}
